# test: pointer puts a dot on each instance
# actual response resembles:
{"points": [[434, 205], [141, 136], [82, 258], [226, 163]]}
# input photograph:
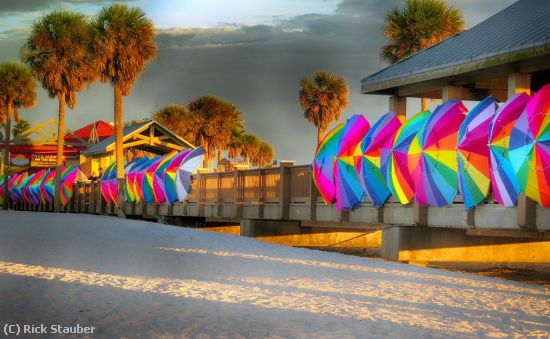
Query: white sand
{"points": [[132, 278]]}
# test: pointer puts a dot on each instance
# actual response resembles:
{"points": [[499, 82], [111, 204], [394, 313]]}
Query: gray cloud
{"points": [[22, 6], [256, 67]]}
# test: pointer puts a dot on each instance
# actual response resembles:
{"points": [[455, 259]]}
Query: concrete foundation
{"points": [[291, 234], [432, 244]]}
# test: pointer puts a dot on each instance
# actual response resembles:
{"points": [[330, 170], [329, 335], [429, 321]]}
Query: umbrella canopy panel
{"points": [[323, 164]]}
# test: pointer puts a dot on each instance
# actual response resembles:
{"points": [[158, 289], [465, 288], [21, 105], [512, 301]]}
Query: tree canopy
{"points": [[419, 24]]}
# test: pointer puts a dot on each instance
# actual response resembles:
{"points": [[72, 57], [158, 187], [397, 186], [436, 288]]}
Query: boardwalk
{"points": [[129, 278]]}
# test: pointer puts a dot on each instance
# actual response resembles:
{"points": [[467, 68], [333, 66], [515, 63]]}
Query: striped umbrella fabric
{"points": [[169, 176], [436, 182], [530, 148], [397, 164], [504, 184], [105, 180], [323, 164], [378, 138], [159, 189], [349, 193], [183, 176], [474, 178], [130, 173]]}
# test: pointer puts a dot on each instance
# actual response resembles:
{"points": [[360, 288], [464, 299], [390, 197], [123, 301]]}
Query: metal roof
{"points": [[521, 26], [127, 132]]}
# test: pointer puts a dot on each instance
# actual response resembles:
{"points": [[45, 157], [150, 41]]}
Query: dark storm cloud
{"points": [[23, 6], [258, 68]]}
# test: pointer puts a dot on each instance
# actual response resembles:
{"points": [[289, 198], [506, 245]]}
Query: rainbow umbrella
{"points": [[47, 186], [169, 176], [435, 178], [130, 171], [68, 177], [529, 151], [158, 180], [105, 178], [474, 179], [349, 192], [504, 183], [183, 176], [148, 180], [378, 138], [395, 160], [140, 179], [1, 188], [323, 164]]}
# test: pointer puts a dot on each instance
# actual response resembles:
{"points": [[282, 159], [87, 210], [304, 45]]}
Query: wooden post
{"points": [[219, 202], [526, 212], [451, 92], [343, 215], [420, 214], [471, 218], [399, 106], [313, 195], [519, 83], [284, 192], [237, 189], [202, 194], [261, 193]]}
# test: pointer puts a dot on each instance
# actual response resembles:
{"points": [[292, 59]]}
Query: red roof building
{"points": [[92, 133]]}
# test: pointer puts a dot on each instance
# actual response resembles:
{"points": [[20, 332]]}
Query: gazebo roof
{"points": [[517, 39], [148, 135]]}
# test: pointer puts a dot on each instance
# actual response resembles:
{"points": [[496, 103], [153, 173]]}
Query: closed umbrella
{"points": [[378, 138], [349, 192], [530, 148], [323, 164], [504, 184], [474, 178], [183, 176], [397, 165], [436, 182]]}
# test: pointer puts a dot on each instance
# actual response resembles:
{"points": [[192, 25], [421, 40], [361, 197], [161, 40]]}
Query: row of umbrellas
{"points": [[38, 188], [433, 156], [162, 179]]}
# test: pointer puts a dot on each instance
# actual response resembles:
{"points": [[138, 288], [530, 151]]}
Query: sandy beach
{"points": [[131, 278]]}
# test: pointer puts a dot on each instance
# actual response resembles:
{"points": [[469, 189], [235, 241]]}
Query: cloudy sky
{"points": [[252, 53]]}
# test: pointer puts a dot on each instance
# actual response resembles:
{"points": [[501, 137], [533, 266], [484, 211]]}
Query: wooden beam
{"points": [[519, 83], [341, 224], [508, 233], [134, 143]]}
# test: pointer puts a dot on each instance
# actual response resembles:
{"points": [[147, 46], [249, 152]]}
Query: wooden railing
{"points": [[272, 193]]}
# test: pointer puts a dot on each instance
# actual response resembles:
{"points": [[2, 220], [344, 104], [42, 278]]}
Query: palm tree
{"points": [[214, 121], [420, 24], [124, 42], [21, 127], [177, 118], [248, 147], [323, 99], [58, 52], [17, 89], [265, 154]]}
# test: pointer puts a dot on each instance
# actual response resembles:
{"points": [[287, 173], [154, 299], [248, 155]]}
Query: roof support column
{"points": [[399, 106], [451, 92], [526, 209], [519, 83]]}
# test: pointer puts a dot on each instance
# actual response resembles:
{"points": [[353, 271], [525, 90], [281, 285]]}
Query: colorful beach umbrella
{"points": [[1, 189], [474, 178], [47, 186], [378, 138], [68, 177], [504, 183], [158, 180], [529, 151], [435, 177], [323, 164], [349, 193], [169, 176], [396, 165], [130, 171], [183, 176], [105, 180]]}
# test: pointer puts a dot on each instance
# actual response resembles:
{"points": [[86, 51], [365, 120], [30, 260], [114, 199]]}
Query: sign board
{"points": [[20, 160], [43, 160]]}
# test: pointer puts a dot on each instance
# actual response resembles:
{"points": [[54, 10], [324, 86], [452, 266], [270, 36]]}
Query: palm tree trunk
{"points": [[6, 194], [119, 155], [59, 159], [320, 133], [206, 156], [424, 104]]}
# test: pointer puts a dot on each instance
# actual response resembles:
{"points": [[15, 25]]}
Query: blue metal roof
{"points": [[522, 25]]}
